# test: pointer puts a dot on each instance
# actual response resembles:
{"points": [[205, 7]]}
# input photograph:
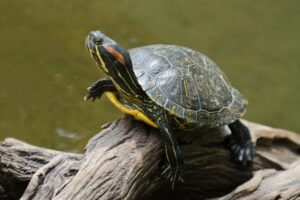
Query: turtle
{"points": [[171, 88]]}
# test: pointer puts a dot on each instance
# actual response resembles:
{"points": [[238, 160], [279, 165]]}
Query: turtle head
{"points": [[114, 60], [106, 52]]}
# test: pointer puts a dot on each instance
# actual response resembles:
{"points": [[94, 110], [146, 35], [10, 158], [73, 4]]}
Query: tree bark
{"points": [[125, 160]]}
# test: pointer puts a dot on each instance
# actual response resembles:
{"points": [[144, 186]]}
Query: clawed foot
{"points": [[93, 93], [242, 152], [174, 175], [240, 143]]}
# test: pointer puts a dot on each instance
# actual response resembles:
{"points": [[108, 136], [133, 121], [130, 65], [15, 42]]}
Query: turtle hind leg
{"points": [[174, 170], [96, 90], [240, 143]]}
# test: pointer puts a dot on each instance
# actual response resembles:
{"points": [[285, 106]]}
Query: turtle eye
{"points": [[98, 40]]}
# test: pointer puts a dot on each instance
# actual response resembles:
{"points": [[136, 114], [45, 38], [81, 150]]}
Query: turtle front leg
{"points": [[174, 170], [96, 90], [240, 142]]}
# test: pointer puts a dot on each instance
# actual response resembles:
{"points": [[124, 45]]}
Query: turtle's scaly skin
{"points": [[188, 84]]}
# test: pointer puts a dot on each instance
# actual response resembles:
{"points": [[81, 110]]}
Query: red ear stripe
{"points": [[115, 53]]}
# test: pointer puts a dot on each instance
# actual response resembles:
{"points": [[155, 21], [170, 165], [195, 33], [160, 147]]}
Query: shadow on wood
{"points": [[124, 161]]}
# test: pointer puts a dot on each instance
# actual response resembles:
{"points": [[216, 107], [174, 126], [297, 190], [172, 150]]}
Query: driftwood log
{"points": [[124, 161]]}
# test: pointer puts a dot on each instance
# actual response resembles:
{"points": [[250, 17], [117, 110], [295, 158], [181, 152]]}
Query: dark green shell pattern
{"points": [[187, 84]]}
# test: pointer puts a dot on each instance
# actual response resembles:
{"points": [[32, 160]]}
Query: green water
{"points": [[45, 68]]}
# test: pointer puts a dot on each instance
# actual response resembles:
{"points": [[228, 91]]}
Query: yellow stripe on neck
{"points": [[103, 66], [135, 113]]}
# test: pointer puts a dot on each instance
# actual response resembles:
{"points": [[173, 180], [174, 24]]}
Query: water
{"points": [[45, 69]]}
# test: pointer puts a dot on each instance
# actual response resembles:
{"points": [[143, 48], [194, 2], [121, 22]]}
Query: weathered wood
{"points": [[18, 162], [124, 161]]}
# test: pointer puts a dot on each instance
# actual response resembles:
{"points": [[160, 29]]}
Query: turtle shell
{"points": [[188, 84]]}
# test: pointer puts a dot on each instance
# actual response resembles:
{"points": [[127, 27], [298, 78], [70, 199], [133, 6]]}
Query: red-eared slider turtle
{"points": [[170, 87]]}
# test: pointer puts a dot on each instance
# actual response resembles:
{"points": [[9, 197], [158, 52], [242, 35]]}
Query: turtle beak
{"points": [[88, 45]]}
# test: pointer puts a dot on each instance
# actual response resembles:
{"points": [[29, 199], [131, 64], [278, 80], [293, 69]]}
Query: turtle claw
{"points": [[242, 152], [180, 179], [172, 175], [96, 90], [240, 143], [166, 172], [87, 97], [93, 94]]}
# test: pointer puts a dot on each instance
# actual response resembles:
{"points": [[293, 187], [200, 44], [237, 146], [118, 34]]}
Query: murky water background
{"points": [[45, 69]]}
